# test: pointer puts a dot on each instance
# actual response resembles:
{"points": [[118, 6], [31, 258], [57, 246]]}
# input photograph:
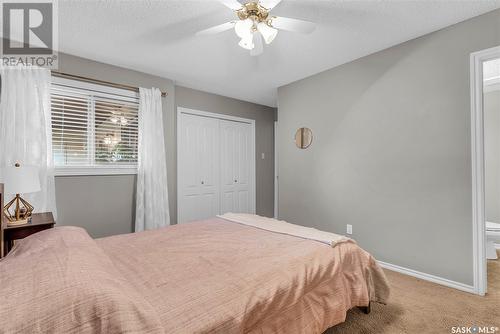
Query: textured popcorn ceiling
{"points": [[157, 37]]}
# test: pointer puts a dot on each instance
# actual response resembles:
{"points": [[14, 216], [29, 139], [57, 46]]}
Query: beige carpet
{"points": [[418, 306]]}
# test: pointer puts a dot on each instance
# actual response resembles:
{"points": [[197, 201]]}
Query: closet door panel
{"points": [[209, 167], [209, 153], [188, 172], [243, 152], [244, 201], [228, 166], [189, 154], [198, 167], [228, 201], [235, 157]]}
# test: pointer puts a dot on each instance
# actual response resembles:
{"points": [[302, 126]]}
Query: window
{"points": [[94, 128]]}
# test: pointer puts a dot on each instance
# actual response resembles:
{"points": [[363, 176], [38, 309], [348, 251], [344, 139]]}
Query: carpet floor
{"points": [[418, 306]]}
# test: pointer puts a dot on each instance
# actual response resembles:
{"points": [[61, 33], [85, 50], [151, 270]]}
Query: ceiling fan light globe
{"points": [[243, 28], [247, 42], [267, 32]]}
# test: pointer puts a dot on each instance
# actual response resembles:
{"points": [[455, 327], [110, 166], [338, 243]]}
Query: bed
{"points": [[221, 275]]}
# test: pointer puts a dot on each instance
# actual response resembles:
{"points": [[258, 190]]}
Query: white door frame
{"points": [[253, 176], [477, 147]]}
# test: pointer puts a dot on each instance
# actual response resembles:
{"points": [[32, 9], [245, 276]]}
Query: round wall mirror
{"points": [[303, 138]]}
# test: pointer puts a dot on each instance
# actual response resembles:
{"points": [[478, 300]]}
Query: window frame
{"points": [[95, 170]]}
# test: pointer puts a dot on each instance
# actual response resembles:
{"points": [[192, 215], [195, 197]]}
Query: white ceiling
{"points": [[157, 37]]}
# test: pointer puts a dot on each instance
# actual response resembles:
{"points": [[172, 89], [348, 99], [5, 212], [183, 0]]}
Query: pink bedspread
{"points": [[216, 276]]}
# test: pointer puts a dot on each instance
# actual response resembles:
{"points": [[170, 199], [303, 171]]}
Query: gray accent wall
{"points": [[391, 153], [104, 205], [264, 136]]}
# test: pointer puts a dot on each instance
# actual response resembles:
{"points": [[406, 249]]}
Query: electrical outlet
{"points": [[263, 156], [349, 229]]}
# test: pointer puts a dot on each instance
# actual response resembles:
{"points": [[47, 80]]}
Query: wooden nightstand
{"points": [[39, 222]]}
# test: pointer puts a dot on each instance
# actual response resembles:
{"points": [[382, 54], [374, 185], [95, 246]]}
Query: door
{"points": [[198, 174], [236, 159]]}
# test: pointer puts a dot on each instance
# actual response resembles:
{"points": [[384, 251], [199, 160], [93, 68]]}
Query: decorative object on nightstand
{"points": [[20, 180]]}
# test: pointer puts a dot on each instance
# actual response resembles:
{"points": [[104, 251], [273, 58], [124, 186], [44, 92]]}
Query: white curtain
{"points": [[25, 128], [152, 193]]}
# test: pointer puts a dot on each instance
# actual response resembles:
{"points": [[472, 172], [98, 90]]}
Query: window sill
{"points": [[95, 171]]}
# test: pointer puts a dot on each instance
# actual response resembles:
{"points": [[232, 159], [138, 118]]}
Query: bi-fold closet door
{"points": [[216, 164], [235, 159]]}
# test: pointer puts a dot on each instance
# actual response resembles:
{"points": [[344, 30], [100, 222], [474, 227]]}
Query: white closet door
{"points": [[236, 160], [198, 172]]}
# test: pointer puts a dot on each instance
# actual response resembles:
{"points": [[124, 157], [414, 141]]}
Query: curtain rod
{"points": [[100, 82]]}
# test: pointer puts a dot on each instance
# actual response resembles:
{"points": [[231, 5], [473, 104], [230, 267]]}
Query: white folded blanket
{"points": [[280, 226]]}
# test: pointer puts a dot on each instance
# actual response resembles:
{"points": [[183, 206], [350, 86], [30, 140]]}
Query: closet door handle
{"points": [[202, 182], [235, 181]]}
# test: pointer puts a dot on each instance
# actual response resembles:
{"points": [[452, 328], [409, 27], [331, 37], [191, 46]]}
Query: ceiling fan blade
{"points": [[269, 4], [217, 29], [294, 25], [233, 4], [258, 48]]}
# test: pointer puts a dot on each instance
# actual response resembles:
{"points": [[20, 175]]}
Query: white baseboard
{"points": [[428, 277]]}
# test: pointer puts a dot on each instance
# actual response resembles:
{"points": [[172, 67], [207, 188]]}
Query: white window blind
{"points": [[94, 128]]}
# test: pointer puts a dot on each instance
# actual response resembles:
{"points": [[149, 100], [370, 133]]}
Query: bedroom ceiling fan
{"points": [[256, 26]]}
